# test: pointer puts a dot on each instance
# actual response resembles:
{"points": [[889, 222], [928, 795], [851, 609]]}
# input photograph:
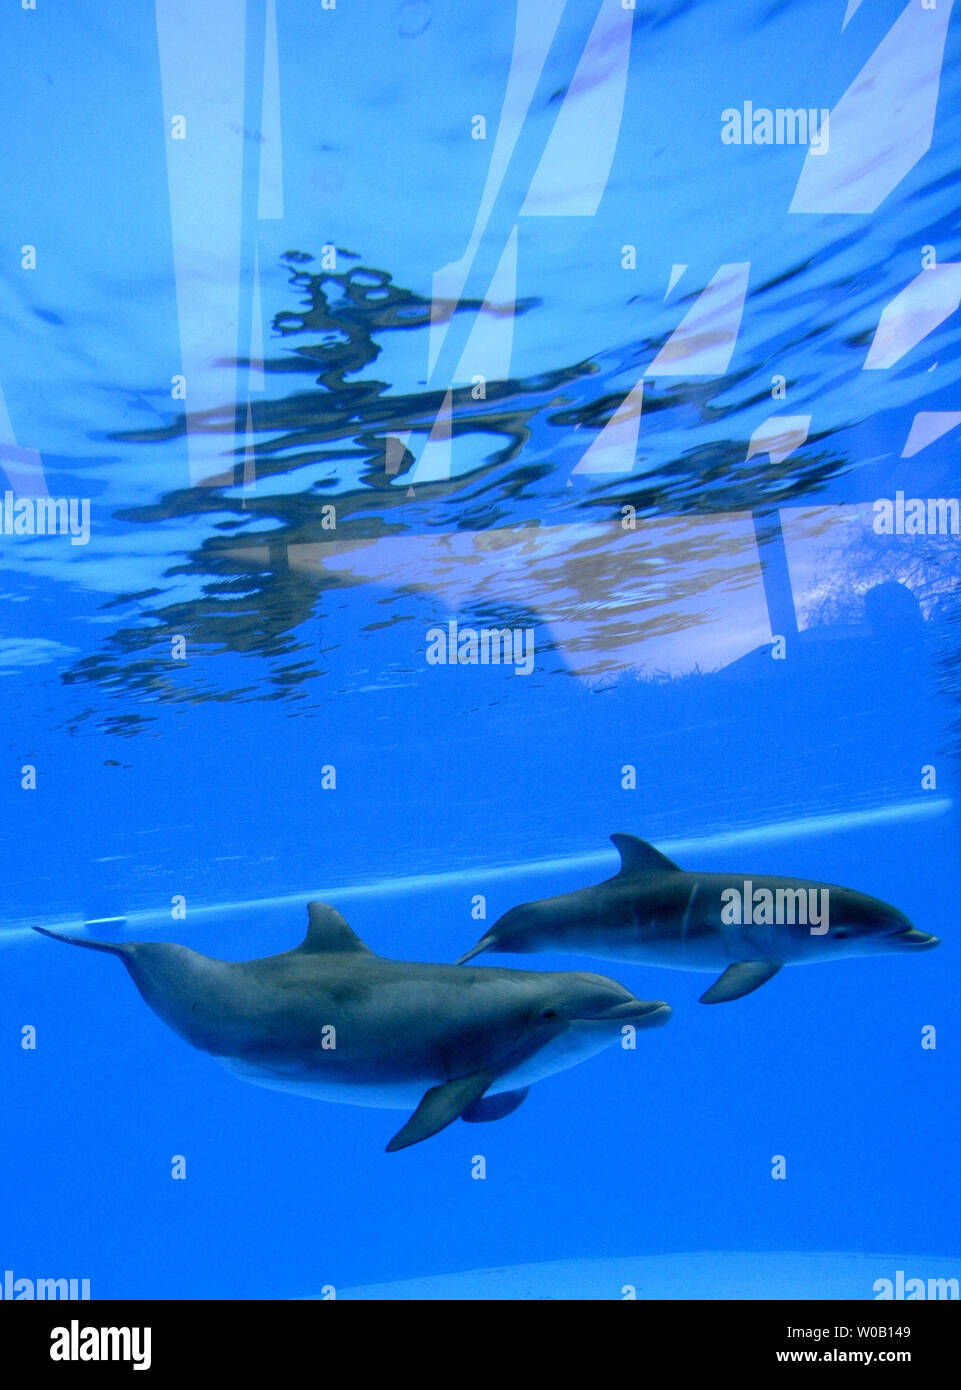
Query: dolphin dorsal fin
{"points": [[327, 931], [638, 857]]}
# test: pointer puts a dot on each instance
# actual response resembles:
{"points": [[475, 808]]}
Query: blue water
{"points": [[313, 381]]}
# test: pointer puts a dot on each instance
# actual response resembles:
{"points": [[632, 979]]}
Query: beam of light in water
{"points": [[926, 427], [434, 461], [850, 12], [779, 436], [487, 352], [676, 272], [884, 122], [704, 340], [535, 27], [270, 203], [689, 846], [201, 53], [23, 467], [921, 307], [614, 450], [572, 175]]}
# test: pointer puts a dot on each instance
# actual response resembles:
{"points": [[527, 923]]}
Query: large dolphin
{"points": [[333, 1020], [746, 926]]}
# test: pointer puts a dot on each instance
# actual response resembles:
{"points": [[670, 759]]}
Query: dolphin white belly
{"points": [[704, 953], [387, 1095], [566, 1050]]}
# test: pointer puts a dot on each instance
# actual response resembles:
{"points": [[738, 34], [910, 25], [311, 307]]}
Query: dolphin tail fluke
{"points": [[485, 943], [114, 948]]}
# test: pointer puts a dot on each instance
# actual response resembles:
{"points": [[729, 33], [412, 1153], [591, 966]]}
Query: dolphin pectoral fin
{"points": [[440, 1107], [494, 1107], [743, 977]]}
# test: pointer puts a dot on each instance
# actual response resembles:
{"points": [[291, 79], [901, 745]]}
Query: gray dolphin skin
{"points": [[745, 926], [331, 1019]]}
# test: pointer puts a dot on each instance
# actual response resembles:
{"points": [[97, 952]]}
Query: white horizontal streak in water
{"points": [[476, 873], [753, 1275]]}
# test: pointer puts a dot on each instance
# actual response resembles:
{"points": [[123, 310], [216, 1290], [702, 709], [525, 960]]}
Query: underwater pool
{"points": [[437, 438]]}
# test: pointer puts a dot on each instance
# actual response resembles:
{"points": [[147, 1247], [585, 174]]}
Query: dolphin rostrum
{"points": [[746, 928], [333, 1020]]}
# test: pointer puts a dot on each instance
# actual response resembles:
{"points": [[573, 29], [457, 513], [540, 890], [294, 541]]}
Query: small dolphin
{"points": [[333, 1020], [654, 911]]}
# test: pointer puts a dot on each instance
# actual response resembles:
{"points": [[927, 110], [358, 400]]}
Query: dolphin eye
{"points": [[549, 1013]]}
